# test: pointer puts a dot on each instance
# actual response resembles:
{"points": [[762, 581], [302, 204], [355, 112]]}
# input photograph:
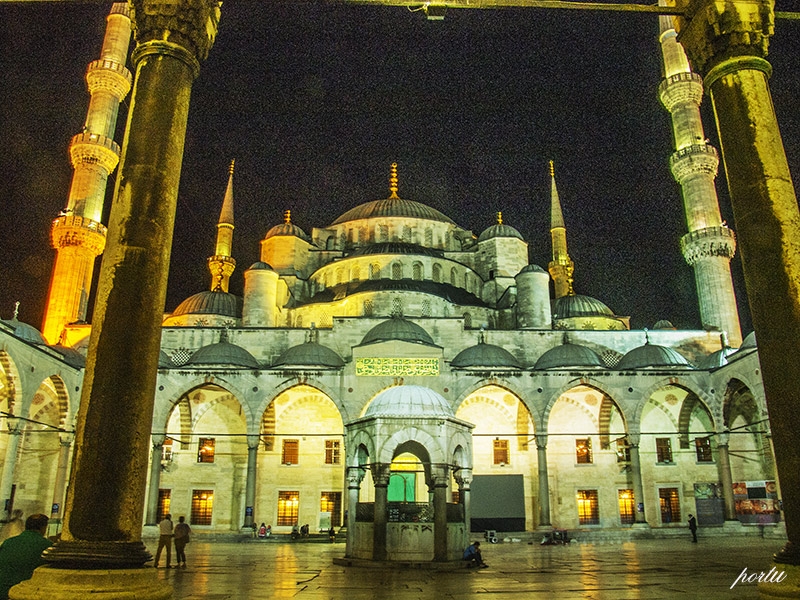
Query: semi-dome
{"points": [[652, 355], [309, 354], [716, 359], [749, 342], [578, 305], [211, 302], [397, 328], [25, 332], [286, 229], [71, 356], [408, 401], [224, 353], [499, 230], [569, 355], [485, 355]]}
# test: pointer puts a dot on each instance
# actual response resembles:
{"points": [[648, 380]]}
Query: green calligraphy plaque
{"points": [[397, 367]]}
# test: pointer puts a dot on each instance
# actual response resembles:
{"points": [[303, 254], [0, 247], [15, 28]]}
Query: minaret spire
{"points": [[77, 234], [561, 267], [222, 264], [710, 244]]}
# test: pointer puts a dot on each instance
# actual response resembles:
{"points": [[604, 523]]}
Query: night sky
{"points": [[315, 101]]}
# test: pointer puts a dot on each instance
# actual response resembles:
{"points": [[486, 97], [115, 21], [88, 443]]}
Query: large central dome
{"points": [[393, 206]]}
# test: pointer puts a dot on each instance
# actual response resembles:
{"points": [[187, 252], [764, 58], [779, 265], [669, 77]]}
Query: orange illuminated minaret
{"points": [[77, 234], [561, 267], [222, 264]]}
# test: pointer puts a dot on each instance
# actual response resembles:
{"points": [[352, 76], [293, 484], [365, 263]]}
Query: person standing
{"points": [[164, 540], [182, 531], [21, 554], [693, 527]]}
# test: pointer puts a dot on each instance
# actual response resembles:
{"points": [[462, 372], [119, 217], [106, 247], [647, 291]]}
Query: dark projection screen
{"points": [[498, 502]]}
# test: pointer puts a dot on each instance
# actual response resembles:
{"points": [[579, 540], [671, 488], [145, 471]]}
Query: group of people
{"points": [[21, 549], [179, 535]]}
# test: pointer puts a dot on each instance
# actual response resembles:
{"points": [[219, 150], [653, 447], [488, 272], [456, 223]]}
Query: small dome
{"points": [[397, 328], [260, 266], [214, 302], [309, 354], [663, 324], [569, 355], [25, 332], [651, 355], [286, 229], [499, 230], [71, 356], [716, 359], [224, 353], [578, 305], [485, 355], [749, 342], [409, 401], [532, 269]]}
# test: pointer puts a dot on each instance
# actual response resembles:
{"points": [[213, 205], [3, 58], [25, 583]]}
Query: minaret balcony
{"points": [[693, 160], [109, 76], [74, 230], [93, 148], [709, 242], [681, 89]]}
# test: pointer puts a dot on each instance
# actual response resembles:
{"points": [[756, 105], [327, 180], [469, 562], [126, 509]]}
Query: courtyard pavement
{"points": [[645, 569]]}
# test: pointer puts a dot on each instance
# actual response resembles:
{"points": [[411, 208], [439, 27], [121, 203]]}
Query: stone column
{"points": [[464, 480], [151, 517], [729, 40], [10, 465], [105, 499], [380, 475], [544, 482], [355, 475], [636, 476], [440, 479], [57, 506], [250, 486], [725, 477]]}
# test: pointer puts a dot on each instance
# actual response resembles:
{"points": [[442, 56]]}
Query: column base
{"points": [[50, 583], [788, 588]]}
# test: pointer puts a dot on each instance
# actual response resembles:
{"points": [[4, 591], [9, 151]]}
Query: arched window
{"points": [[406, 234], [429, 237], [437, 273], [467, 320], [416, 271], [397, 306], [453, 276], [356, 273], [383, 233], [368, 308], [397, 270], [374, 271], [426, 308], [339, 275]]}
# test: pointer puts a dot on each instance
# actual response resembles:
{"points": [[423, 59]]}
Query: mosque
{"points": [[393, 369]]}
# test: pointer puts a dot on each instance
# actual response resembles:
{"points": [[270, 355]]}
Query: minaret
{"points": [[561, 267], [222, 264], [77, 234], [710, 244]]}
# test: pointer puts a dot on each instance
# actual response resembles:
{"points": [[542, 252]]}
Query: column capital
{"points": [[355, 475], [463, 478], [253, 441], [188, 24], [541, 440], [158, 440], [723, 438], [380, 474], [713, 31]]}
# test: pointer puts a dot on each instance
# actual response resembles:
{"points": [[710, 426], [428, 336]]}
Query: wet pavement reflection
{"points": [[647, 569]]}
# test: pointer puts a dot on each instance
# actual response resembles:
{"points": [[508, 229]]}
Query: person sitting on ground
{"points": [[472, 555], [21, 554], [262, 531]]}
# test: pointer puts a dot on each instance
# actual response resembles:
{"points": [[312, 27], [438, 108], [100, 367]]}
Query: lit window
{"points": [[623, 451], [332, 452], [205, 450], [202, 506], [588, 510], [164, 501], [583, 451], [332, 502], [288, 507], [456, 497], [501, 452], [663, 450], [291, 452], [626, 507], [670, 501], [166, 450], [703, 449]]}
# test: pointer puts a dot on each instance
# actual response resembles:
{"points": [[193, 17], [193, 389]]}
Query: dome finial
{"points": [[646, 336], [500, 217], [287, 216], [16, 310], [552, 169], [393, 180], [230, 169]]}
